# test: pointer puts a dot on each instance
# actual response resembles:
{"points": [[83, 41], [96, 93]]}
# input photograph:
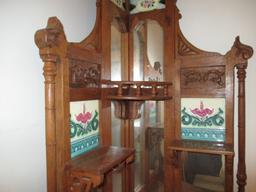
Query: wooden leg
{"points": [[229, 162], [107, 185]]}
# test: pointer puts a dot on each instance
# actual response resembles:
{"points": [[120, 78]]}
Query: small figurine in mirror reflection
{"points": [[157, 67]]}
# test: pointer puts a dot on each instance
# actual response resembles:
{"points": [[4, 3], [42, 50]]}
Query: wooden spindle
{"points": [[138, 90], [241, 172], [120, 90], [154, 90]]}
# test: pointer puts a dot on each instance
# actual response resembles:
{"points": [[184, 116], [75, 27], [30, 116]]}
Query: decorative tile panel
{"points": [[203, 119], [146, 5], [84, 126]]}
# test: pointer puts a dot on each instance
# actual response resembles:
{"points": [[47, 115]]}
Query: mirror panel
{"points": [[116, 75], [203, 171], [148, 130]]}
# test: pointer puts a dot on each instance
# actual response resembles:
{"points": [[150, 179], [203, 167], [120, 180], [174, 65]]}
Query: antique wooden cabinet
{"points": [[136, 104]]}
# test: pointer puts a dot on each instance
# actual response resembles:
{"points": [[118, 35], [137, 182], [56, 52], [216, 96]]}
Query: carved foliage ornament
{"points": [[199, 77], [84, 74]]}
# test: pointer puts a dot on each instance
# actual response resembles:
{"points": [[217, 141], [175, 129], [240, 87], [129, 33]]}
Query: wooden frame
{"points": [[67, 64]]}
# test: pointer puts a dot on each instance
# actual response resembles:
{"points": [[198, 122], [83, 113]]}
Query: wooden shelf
{"points": [[202, 147], [95, 165], [138, 90], [101, 160], [128, 96], [140, 98]]}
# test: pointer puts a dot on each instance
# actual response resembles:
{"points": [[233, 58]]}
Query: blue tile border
{"points": [[84, 145], [203, 134]]}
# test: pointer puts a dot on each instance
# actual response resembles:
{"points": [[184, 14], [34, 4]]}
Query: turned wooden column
{"points": [[51, 42], [50, 121], [241, 172]]}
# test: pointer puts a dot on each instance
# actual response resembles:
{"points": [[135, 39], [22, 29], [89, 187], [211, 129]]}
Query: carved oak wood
{"points": [[74, 72]]}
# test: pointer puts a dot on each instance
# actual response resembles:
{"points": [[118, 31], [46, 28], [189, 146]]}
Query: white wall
{"points": [[22, 137], [211, 25]]}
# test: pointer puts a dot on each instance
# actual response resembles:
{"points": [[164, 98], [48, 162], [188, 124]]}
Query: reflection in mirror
{"points": [[116, 71], [148, 51], [116, 75], [148, 60], [204, 172]]}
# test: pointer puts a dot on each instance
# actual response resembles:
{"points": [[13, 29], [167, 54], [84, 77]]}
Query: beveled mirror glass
{"points": [[148, 51]]}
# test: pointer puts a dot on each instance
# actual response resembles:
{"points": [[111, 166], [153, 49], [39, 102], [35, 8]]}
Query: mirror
{"points": [[148, 44], [148, 59], [116, 71], [116, 75], [204, 172]]}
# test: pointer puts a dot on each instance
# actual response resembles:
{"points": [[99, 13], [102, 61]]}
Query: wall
{"points": [[22, 137], [211, 25]]}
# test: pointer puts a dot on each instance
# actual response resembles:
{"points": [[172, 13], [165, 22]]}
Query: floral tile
{"points": [[146, 5], [203, 119], [84, 126]]}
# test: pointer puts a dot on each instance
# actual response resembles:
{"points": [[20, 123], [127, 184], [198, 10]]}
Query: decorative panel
{"points": [[119, 3], [203, 119], [84, 74], [84, 126], [203, 77], [146, 5]]}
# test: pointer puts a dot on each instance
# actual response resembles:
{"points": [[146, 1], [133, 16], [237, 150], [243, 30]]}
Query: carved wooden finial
{"points": [[48, 37], [242, 51]]}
